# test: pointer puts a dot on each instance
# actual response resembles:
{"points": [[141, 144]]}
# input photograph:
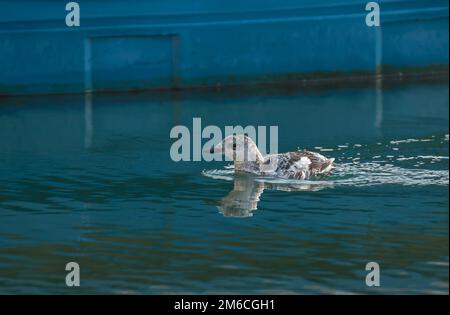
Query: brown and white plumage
{"points": [[296, 165]]}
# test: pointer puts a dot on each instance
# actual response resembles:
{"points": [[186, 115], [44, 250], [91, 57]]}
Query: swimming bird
{"points": [[246, 156]]}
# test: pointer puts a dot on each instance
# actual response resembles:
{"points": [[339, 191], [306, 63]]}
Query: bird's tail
{"points": [[328, 166]]}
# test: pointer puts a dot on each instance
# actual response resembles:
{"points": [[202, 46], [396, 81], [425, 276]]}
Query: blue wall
{"points": [[125, 45]]}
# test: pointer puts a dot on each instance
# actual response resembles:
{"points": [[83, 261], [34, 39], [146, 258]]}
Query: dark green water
{"points": [[90, 180]]}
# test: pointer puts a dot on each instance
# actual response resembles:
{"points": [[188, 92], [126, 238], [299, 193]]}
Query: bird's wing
{"points": [[317, 163]]}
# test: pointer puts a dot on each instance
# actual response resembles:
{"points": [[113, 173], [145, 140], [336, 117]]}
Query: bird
{"points": [[247, 158]]}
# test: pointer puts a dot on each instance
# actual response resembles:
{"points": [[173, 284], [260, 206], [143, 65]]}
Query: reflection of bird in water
{"points": [[296, 165], [243, 199], [247, 190]]}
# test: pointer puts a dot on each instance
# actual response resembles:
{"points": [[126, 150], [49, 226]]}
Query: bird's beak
{"points": [[216, 149]]}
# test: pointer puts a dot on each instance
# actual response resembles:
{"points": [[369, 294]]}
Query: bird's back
{"points": [[297, 164]]}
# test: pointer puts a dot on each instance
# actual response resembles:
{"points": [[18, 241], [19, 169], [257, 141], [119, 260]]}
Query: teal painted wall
{"points": [[127, 45]]}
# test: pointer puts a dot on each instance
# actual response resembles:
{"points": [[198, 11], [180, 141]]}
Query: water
{"points": [[89, 179]]}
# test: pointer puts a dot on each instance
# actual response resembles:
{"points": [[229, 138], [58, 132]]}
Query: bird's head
{"points": [[238, 148]]}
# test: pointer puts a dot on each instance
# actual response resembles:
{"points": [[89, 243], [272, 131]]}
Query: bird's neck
{"points": [[259, 157], [250, 166]]}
